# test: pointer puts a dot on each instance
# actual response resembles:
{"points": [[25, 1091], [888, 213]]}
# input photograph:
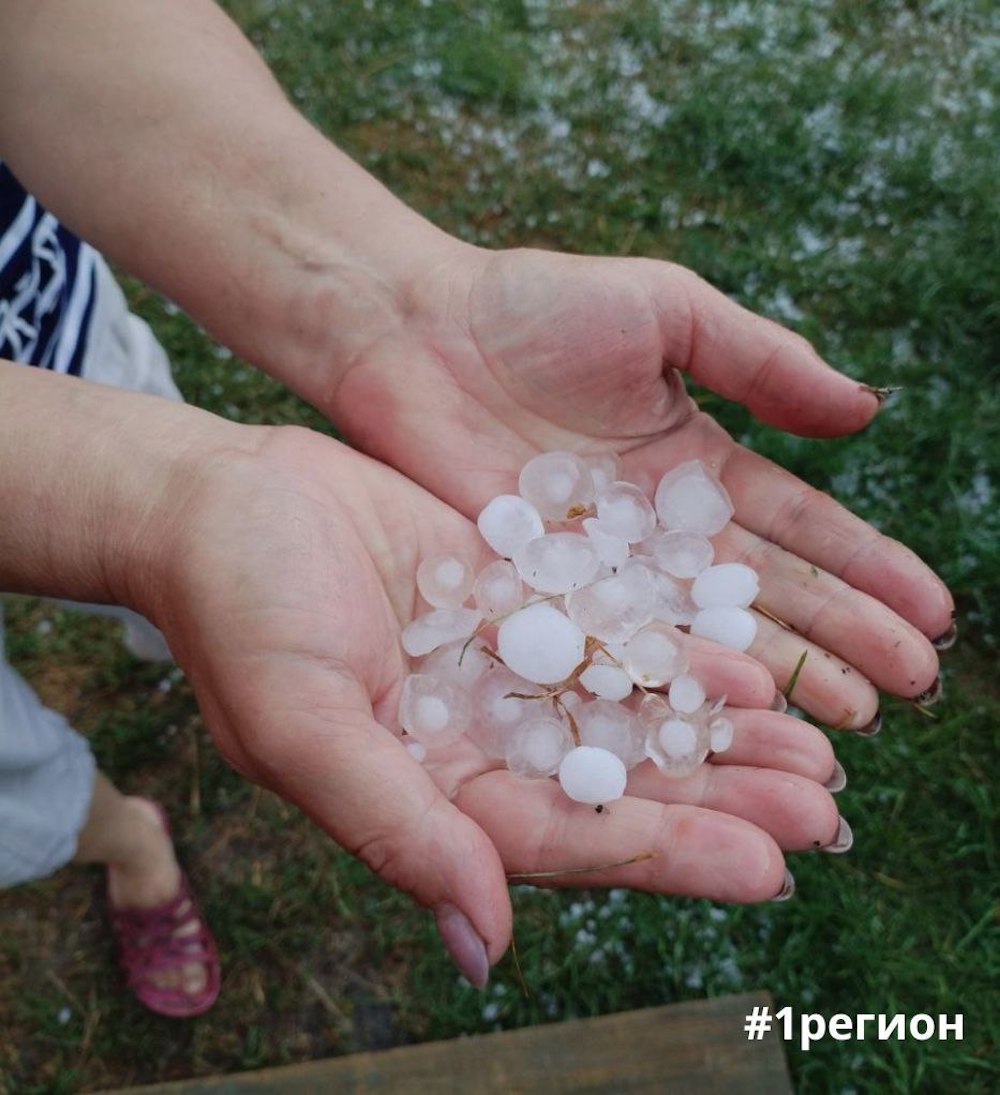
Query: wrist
{"points": [[94, 482], [360, 269]]}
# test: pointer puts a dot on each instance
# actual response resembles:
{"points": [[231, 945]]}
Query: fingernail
{"points": [[947, 640], [838, 781], [870, 729], [842, 842], [462, 942], [779, 703], [881, 394], [787, 887], [931, 696]]}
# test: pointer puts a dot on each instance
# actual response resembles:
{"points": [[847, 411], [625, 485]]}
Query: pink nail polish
{"points": [[463, 943]]}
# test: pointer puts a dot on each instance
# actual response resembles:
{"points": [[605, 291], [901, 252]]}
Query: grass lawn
{"points": [[830, 164]]}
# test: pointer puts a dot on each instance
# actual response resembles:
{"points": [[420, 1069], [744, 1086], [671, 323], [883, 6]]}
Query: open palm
{"points": [[290, 575], [506, 354]]}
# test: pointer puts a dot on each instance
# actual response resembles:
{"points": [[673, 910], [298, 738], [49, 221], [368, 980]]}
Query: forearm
{"points": [[157, 133], [93, 482]]}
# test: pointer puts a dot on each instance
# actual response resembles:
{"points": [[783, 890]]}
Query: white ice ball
{"points": [[681, 554], [678, 739], [508, 522], [607, 681], [558, 562], [444, 581], [692, 499], [592, 775], [558, 484], [732, 627], [433, 711], [536, 747], [655, 655], [497, 590], [686, 694], [732, 584], [625, 511], [540, 644], [613, 609]]}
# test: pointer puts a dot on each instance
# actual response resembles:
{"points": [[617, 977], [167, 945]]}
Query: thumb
{"points": [[772, 371], [353, 778]]}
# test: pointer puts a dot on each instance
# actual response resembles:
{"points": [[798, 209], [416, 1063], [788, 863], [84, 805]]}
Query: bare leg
{"points": [[124, 833]]}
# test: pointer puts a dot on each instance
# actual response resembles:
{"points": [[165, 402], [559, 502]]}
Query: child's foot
{"points": [[165, 946]]}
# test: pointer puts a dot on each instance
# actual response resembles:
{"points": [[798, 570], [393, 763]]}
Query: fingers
{"points": [[826, 686], [780, 508], [860, 603], [766, 739], [742, 679], [797, 812], [686, 850], [775, 373], [356, 781]]}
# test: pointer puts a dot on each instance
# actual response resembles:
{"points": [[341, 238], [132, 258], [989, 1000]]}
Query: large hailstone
{"points": [[558, 484], [732, 627], [691, 499], [725, 585], [507, 522], [558, 562], [540, 644]]}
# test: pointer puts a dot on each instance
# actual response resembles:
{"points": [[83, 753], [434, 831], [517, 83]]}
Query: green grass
{"points": [[830, 164]]}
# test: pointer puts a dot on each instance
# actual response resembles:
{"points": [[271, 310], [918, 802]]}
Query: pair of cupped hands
{"points": [[292, 572]]}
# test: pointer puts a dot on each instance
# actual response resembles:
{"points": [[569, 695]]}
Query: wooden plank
{"points": [[695, 1048]]}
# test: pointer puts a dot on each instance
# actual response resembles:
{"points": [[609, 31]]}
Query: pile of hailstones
{"points": [[571, 662]]}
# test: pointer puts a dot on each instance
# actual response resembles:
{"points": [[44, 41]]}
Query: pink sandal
{"points": [[148, 945]]}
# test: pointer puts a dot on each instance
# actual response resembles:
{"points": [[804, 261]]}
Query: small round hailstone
{"points": [[720, 735], [683, 554], [541, 644], [497, 590], [676, 746], [417, 750], [613, 550], [654, 655], [460, 662], [444, 581], [686, 694], [625, 511], [433, 711], [731, 584], [607, 681], [678, 739], [497, 710], [691, 499], [558, 484], [558, 562], [434, 629], [592, 776], [732, 627], [613, 609], [508, 522], [536, 747], [605, 468], [611, 726]]}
